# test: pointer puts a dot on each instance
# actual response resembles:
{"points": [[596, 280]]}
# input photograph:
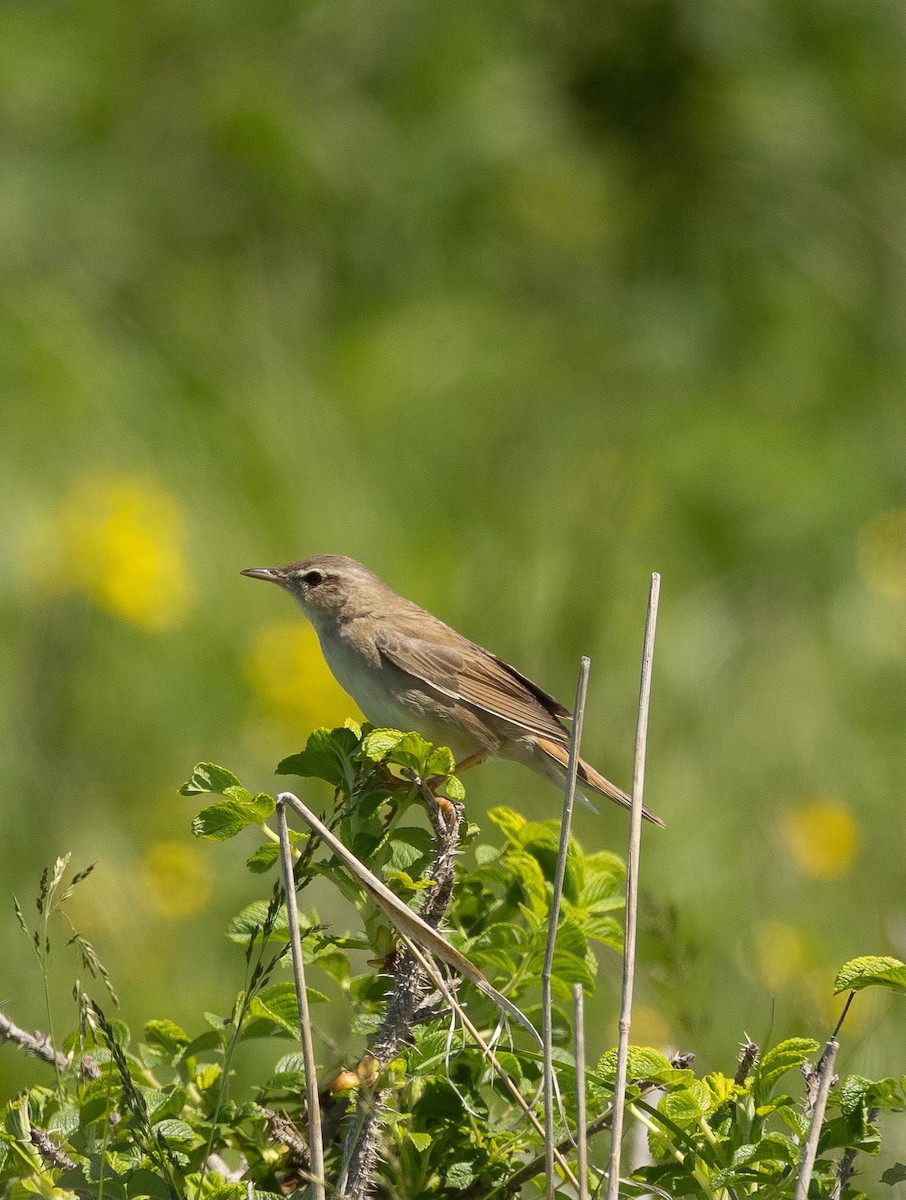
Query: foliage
{"points": [[154, 1115]]}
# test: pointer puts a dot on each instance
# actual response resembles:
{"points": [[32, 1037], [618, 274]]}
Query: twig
{"points": [[39, 1045], [533, 1167], [846, 1165], [581, 1115], [316, 1146], [824, 1073], [492, 1058], [632, 891], [547, 1024], [404, 920]]}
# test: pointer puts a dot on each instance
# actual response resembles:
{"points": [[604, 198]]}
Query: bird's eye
{"points": [[312, 578]]}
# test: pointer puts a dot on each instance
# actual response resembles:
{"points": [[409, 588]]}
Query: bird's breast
{"points": [[359, 671]]}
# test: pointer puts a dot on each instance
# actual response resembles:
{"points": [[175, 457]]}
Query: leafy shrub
{"points": [[125, 1117]]}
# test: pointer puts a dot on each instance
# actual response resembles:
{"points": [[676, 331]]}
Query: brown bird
{"points": [[408, 670]]}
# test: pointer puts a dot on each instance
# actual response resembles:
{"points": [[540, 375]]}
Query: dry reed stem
{"points": [[581, 1114], [553, 920], [315, 1142], [632, 890]]}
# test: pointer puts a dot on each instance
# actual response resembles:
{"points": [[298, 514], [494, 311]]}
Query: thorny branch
{"points": [[402, 1007]]}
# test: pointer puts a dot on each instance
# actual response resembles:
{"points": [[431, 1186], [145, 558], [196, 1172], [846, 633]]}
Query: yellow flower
{"points": [[822, 837], [781, 953], [178, 879], [120, 540], [882, 553], [650, 1027], [287, 671]]}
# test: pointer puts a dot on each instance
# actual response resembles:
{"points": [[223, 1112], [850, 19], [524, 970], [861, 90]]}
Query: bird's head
{"points": [[326, 586]]}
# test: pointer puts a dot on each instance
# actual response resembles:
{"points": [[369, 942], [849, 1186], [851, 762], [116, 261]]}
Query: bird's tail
{"points": [[554, 754]]}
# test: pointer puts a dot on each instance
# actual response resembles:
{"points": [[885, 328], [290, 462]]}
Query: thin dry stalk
{"points": [[316, 1145], [818, 1103], [407, 922], [581, 1114], [632, 890], [489, 1054], [548, 968]]}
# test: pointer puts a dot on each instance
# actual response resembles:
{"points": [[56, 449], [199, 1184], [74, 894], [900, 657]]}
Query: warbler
{"points": [[406, 669]]}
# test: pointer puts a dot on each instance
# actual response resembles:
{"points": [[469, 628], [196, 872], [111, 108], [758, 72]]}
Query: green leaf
{"points": [[782, 1058], [174, 1131], [278, 1003], [440, 761], [252, 921], [643, 1063], [166, 1036], [407, 846], [509, 822], [377, 744], [687, 1105], [208, 777], [263, 858], [460, 1175], [421, 1141], [895, 1174], [412, 751], [872, 970], [455, 789], [327, 755], [856, 1091], [221, 821], [144, 1183]]}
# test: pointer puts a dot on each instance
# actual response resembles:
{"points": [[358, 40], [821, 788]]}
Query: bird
{"points": [[406, 669]]}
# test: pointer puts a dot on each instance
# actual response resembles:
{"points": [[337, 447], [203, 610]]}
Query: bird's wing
{"points": [[475, 676]]}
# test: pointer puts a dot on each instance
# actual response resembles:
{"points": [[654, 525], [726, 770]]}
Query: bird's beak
{"points": [[274, 574]]}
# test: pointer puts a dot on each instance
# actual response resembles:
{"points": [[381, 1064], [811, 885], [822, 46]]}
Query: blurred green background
{"points": [[516, 303]]}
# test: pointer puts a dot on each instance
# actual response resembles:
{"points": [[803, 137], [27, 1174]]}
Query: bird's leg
{"points": [[446, 806], [473, 760]]}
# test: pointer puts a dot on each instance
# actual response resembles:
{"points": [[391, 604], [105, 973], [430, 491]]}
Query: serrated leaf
{"points": [[378, 743], [871, 970], [407, 846], [643, 1063], [263, 858], [686, 1105], [440, 761], [174, 1131], [278, 1003], [509, 822], [252, 921], [327, 755], [455, 789], [460, 1175], [782, 1058], [144, 1183], [421, 1141], [856, 1091], [166, 1036], [219, 822], [208, 777]]}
